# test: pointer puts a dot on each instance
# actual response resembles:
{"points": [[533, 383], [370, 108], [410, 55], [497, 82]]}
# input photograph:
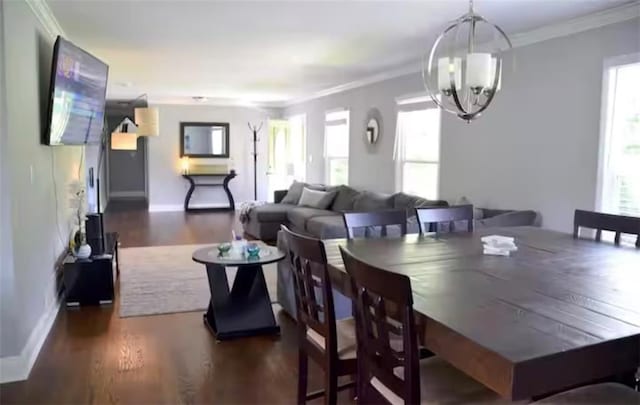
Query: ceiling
{"points": [[274, 51]]}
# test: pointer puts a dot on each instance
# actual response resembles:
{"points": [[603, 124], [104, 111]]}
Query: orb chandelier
{"points": [[463, 71]]}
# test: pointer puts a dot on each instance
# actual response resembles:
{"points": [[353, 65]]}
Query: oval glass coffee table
{"points": [[245, 309]]}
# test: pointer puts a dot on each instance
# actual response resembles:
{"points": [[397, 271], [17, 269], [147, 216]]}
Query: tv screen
{"points": [[77, 96]]}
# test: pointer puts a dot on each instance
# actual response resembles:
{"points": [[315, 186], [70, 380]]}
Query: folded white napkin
{"points": [[498, 239], [498, 245]]}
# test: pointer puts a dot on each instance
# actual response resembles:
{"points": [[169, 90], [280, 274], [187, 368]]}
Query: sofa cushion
{"points": [[327, 227], [316, 198], [295, 191], [344, 199], [298, 216], [370, 201], [270, 212]]}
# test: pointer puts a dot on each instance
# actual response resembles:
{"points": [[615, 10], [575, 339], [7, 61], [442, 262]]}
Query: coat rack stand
{"points": [[255, 129]]}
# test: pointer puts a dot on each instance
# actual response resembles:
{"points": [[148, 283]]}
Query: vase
{"points": [[83, 251]]}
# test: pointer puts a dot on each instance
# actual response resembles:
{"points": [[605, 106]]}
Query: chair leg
{"points": [[303, 361], [331, 387]]}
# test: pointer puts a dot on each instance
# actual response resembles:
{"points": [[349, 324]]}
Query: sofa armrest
{"points": [[278, 195]]}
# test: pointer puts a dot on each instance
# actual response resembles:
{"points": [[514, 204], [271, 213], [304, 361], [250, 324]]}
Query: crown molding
{"points": [[568, 27], [44, 14], [379, 77], [600, 19]]}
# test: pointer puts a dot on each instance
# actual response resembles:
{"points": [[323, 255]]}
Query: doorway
{"points": [[126, 170], [287, 149]]}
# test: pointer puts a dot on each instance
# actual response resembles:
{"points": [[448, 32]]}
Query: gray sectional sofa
{"points": [[263, 222]]}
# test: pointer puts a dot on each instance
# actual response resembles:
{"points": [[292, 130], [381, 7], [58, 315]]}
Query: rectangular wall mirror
{"points": [[204, 139]]}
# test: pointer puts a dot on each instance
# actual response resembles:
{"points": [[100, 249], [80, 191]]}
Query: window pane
{"points": [[338, 171], [421, 133], [420, 179], [337, 140], [625, 141]]}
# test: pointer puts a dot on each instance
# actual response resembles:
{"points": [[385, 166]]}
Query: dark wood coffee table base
{"points": [[243, 311]]}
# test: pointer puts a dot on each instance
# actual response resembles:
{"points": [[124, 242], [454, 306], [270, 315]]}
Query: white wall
{"points": [[536, 147], [37, 238], [167, 188]]}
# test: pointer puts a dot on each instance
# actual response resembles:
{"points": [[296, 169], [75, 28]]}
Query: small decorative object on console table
{"points": [[191, 173], [245, 308]]}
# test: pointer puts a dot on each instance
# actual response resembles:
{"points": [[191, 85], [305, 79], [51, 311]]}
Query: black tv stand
{"points": [[90, 281]]}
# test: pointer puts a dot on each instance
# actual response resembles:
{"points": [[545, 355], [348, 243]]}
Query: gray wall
{"points": [[40, 227], [536, 147], [167, 188], [7, 313]]}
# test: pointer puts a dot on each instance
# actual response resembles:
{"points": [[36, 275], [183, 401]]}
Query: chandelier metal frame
{"points": [[474, 94]]}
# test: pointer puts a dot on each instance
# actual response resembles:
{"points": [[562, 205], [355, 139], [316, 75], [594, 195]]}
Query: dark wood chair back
{"points": [[313, 292], [430, 217], [384, 218], [379, 336], [606, 222]]}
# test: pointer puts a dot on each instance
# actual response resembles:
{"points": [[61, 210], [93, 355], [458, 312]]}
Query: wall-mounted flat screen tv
{"points": [[77, 96]]}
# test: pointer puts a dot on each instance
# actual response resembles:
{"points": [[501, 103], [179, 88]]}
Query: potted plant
{"points": [[77, 203]]}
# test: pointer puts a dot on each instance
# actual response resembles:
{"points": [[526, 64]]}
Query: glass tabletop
{"points": [[235, 257]]}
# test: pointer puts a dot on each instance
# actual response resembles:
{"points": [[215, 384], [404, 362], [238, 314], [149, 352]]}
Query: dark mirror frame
{"points": [[205, 124]]}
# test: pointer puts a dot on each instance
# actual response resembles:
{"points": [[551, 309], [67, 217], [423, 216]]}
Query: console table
{"points": [[225, 185]]}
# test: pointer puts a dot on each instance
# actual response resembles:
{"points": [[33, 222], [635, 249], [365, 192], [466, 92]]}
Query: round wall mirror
{"points": [[373, 128]]}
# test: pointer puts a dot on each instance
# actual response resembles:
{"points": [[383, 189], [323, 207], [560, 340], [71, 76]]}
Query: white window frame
{"points": [[603, 185], [328, 159], [414, 102]]}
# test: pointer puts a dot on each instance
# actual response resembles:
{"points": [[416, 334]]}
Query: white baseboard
{"points": [[17, 368], [127, 194], [180, 207]]}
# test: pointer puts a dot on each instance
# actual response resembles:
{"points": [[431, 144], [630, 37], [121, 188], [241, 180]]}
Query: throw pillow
{"points": [[316, 199], [344, 199], [294, 193], [370, 201]]}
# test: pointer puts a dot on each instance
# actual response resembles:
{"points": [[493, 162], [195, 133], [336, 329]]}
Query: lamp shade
{"points": [[446, 66], [124, 141], [147, 119], [479, 70]]}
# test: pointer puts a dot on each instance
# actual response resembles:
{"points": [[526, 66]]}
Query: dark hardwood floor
{"points": [[92, 356]]}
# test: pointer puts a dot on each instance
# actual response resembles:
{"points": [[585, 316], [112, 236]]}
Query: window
{"points": [[619, 174], [336, 147], [417, 151]]}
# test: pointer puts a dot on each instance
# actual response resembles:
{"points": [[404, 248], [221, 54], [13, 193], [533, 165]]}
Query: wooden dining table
{"points": [[559, 312]]}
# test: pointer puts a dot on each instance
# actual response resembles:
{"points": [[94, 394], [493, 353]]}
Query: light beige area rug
{"points": [[163, 279]]}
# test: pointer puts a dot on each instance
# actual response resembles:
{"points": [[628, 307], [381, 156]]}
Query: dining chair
{"points": [[606, 222], [384, 218], [390, 369], [330, 343], [432, 216]]}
